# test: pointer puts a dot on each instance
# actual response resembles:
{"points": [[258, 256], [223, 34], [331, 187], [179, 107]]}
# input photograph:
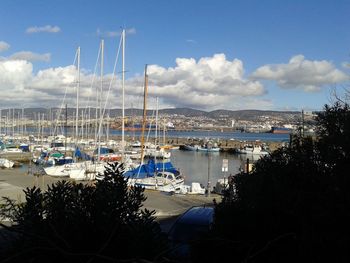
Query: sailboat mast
{"points": [[77, 108], [65, 131], [144, 114], [156, 135], [123, 93], [100, 105]]}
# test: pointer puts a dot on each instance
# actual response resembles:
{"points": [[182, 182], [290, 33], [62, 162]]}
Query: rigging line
{"points": [[110, 85], [150, 126], [94, 78], [93, 81], [64, 97]]}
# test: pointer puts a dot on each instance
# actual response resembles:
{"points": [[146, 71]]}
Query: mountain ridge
{"points": [[187, 112]]}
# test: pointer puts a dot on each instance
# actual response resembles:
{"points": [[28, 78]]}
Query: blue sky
{"points": [[203, 54]]}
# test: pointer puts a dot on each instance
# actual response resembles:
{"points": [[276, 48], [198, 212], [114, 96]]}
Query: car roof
{"points": [[198, 215]]}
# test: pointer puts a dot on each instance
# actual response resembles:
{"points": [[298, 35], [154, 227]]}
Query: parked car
{"points": [[188, 228]]}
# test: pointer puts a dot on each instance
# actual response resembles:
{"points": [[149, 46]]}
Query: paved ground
{"points": [[13, 181]]}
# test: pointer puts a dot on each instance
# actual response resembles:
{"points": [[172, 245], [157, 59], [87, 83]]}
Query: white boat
{"points": [[5, 163], [157, 153], [252, 149], [136, 144], [159, 181], [193, 189], [77, 171], [12, 150], [58, 170], [201, 148], [208, 149]]}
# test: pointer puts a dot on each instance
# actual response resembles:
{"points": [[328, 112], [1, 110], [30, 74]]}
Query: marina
{"points": [[202, 167]]}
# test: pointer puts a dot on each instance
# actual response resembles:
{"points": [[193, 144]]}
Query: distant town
{"points": [[18, 120]]}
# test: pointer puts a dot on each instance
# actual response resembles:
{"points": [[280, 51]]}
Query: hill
{"points": [[33, 113]]}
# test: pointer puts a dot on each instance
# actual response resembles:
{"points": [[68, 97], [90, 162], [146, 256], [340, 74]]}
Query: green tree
{"points": [[295, 204], [83, 223]]}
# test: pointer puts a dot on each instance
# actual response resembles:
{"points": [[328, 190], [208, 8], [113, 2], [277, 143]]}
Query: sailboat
{"points": [[86, 170], [154, 150], [151, 175]]}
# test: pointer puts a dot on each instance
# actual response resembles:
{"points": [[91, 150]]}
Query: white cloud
{"points": [[30, 56], [301, 73], [14, 76], [21, 87], [210, 82], [4, 46], [47, 29]]}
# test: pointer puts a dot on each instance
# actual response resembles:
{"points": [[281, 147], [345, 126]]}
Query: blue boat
{"points": [[150, 169]]}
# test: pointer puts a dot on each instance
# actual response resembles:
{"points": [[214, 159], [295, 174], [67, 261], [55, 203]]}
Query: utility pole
{"points": [[302, 123], [208, 182]]}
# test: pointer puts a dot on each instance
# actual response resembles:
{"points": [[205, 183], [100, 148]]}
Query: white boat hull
{"points": [[5, 163]]}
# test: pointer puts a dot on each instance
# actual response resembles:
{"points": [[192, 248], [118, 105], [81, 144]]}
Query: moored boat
{"points": [[280, 130], [159, 181], [5, 163], [252, 149]]}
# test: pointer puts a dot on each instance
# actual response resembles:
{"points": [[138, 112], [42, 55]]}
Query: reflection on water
{"points": [[196, 166]]}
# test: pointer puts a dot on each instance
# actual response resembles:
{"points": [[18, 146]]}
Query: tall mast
{"points": [[123, 93], [100, 96], [22, 122], [13, 122], [77, 108], [144, 113], [156, 135], [65, 131], [101, 84]]}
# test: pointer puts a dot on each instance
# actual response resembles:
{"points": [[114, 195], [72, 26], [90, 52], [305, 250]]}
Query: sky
{"points": [[201, 54]]}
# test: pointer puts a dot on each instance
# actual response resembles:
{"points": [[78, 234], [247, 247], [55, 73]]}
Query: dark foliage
{"points": [[72, 222], [295, 205]]}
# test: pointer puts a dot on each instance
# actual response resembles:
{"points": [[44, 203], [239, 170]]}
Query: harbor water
{"points": [[203, 167]]}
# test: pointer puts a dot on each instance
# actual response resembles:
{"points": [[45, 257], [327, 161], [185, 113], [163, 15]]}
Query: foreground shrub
{"points": [[76, 222]]}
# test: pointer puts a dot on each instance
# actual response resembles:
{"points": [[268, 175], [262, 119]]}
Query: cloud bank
{"points": [[300, 73], [207, 83], [210, 82], [30, 56], [41, 29]]}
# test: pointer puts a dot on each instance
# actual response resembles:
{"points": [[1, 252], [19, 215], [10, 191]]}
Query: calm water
{"points": [[196, 166]]}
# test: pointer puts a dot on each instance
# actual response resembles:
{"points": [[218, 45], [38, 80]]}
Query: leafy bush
{"points": [[295, 205], [73, 222]]}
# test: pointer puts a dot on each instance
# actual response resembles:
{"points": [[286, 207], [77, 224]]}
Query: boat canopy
{"points": [[150, 168]]}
